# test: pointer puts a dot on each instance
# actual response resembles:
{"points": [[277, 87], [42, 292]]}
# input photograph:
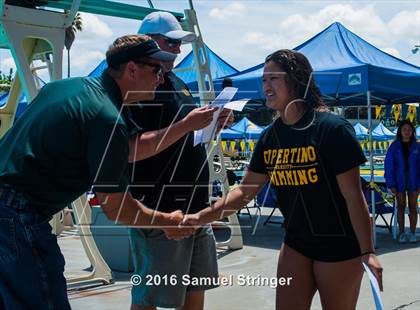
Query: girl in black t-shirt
{"points": [[311, 158]]}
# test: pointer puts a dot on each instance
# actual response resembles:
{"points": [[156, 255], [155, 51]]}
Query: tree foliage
{"points": [[6, 80]]}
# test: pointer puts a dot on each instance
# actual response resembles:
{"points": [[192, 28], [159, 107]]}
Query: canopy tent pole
{"points": [[372, 168]]}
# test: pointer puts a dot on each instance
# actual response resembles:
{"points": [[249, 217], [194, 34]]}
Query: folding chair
{"points": [[382, 206], [267, 198], [233, 180]]}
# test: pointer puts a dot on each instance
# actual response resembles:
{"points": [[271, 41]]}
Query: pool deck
{"points": [[258, 258]]}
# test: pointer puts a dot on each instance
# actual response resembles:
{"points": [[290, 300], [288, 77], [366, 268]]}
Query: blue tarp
{"points": [[218, 68], [361, 131], [23, 102], [99, 69], [231, 134], [382, 133], [344, 64], [244, 129]]}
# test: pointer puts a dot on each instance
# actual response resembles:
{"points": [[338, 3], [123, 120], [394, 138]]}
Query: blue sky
{"points": [[244, 32]]}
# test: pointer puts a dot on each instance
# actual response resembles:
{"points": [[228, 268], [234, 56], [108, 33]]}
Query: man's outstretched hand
{"points": [[177, 231], [200, 117], [191, 220]]}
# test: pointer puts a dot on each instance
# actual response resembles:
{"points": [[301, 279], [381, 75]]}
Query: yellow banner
{"points": [[223, 143], [232, 146], [397, 112], [242, 144], [411, 114], [251, 145], [378, 109]]}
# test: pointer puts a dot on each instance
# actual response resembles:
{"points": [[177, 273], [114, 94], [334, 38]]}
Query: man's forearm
{"points": [[131, 212], [151, 143]]}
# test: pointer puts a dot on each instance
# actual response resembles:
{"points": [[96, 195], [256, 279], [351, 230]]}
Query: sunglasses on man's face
{"points": [[157, 68], [172, 42]]}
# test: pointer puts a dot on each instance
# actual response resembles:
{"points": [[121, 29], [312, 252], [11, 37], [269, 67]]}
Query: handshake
{"points": [[182, 226]]}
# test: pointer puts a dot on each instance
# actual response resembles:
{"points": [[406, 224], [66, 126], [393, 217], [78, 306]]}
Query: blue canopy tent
{"points": [[347, 69], [361, 131], [247, 129], [244, 129], [218, 68], [99, 69], [23, 102], [382, 133], [230, 134], [185, 69]]}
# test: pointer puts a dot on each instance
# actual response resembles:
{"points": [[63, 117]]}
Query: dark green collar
{"points": [[112, 87]]}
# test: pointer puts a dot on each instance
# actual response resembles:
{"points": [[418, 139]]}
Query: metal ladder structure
{"points": [[38, 34], [206, 92]]}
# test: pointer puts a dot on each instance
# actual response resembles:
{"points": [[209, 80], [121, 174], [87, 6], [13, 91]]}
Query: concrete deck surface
{"points": [[258, 258]]}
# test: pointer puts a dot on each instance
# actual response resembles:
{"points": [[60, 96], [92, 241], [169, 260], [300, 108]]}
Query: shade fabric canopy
{"points": [[361, 131], [346, 65], [382, 133], [218, 68], [231, 134], [244, 129]]}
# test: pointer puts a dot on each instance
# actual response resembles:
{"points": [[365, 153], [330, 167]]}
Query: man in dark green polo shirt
{"points": [[72, 138]]}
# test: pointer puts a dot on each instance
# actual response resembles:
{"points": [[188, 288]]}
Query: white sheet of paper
{"points": [[375, 287], [237, 105], [206, 134]]}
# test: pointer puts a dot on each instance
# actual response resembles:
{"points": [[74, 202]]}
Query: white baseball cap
{"points": [[164, 23]]}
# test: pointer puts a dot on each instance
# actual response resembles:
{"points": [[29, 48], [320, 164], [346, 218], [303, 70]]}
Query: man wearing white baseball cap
{"points": [[176, 178], [165, 24]]}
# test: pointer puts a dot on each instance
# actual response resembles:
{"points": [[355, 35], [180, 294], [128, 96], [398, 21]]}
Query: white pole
{"points": [[372, 168]]}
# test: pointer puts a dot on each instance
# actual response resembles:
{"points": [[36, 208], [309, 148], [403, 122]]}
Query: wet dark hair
{"points": [[398, 136], [298, 73]]}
